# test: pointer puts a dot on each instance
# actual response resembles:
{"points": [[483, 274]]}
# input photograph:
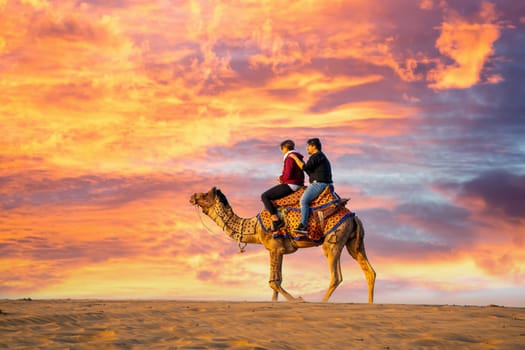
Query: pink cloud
{"points": [[505, 264]]}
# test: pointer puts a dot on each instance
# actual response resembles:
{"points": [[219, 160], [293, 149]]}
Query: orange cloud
{"points": [[426, 4], [37, 4], [131, 97], [469, 44], [315, 82]]}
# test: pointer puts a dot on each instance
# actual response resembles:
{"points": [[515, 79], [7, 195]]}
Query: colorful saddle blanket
{"points": [[290, 209]]}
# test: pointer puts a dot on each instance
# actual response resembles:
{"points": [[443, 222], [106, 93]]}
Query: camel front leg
{"points": [[276, 263]]}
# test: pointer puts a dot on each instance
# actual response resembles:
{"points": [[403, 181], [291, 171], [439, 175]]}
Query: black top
{"points": [[318, 168]]}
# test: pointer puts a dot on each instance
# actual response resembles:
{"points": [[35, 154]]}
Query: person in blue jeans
{"points": [[320, 175]]}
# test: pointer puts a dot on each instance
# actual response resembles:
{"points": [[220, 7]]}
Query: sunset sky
{"points": [[113, 113]]}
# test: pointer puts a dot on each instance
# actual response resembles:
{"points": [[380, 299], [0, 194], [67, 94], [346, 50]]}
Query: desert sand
{"points": [[101, 324]]}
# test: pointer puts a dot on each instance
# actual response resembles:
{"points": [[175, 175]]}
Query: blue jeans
{"points": [[311, 192]]}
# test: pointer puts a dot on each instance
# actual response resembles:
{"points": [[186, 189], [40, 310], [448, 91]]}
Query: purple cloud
{"points": [[76, 253], [502, 192], [39, 188]]}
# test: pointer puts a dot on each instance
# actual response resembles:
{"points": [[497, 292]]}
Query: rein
{"points": [[241, 245], [203, 223]]}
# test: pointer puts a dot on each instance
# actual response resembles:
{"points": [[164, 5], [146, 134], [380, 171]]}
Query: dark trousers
{"points": [[276, 192]]}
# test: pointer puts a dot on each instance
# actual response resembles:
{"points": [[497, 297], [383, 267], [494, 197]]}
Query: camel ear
{"points": [[212, 191]]}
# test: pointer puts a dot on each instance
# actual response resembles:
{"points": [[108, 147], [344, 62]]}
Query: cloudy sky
{"points": [[114, 112]]}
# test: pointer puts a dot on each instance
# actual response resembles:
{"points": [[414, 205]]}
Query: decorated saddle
{"points": [[327, 212]]}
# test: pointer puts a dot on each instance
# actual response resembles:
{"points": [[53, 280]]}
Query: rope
{"points": [[206, 227], [234, 236], [242, 248]]}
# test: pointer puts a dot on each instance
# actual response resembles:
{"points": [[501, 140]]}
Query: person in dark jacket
{"points": [[320, 174], [290, 180]]}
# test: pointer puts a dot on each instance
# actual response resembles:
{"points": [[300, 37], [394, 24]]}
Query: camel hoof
{"points": [[298, 300]]}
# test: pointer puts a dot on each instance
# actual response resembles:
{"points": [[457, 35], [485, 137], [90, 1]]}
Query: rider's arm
{"points": [[299, 162]]}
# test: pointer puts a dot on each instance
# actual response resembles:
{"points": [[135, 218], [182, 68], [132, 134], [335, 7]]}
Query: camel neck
{"points": [[233, 225]]}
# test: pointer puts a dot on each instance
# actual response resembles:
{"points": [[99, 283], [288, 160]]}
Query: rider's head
{"points": [[314, 145], [287, 145]]}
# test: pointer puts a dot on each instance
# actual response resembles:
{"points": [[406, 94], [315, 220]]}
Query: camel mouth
{"points": [[200, 199]]}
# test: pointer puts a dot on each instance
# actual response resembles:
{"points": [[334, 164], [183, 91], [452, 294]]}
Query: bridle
{"points": [[235, 236]]}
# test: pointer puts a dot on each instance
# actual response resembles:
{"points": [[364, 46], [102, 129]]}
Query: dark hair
{"points": [[288, 144], [315, 142]]}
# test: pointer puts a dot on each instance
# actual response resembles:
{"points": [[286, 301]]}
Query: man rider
{"points": [[320, 175]]}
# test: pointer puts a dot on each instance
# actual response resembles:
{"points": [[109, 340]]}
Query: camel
{"points": [[349, 234]]}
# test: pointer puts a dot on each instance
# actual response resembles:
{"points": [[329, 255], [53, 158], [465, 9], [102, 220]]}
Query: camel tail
{"points": [[359, 233]]}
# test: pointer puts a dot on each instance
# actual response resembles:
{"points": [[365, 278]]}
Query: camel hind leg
{"points": [[356, 248], [333, 255], [368, 270]]}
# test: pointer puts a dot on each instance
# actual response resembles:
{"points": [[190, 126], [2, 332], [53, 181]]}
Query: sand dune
{"points": [[96, 324]]}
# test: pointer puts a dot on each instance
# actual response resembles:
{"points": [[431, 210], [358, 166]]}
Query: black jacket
{"points": [[318, 168]]}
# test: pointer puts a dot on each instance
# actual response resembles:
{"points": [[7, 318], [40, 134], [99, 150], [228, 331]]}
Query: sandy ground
{"points": [[100, 324]]}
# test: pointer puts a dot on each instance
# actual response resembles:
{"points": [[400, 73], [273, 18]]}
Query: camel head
{"points": [[208, 199]]}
